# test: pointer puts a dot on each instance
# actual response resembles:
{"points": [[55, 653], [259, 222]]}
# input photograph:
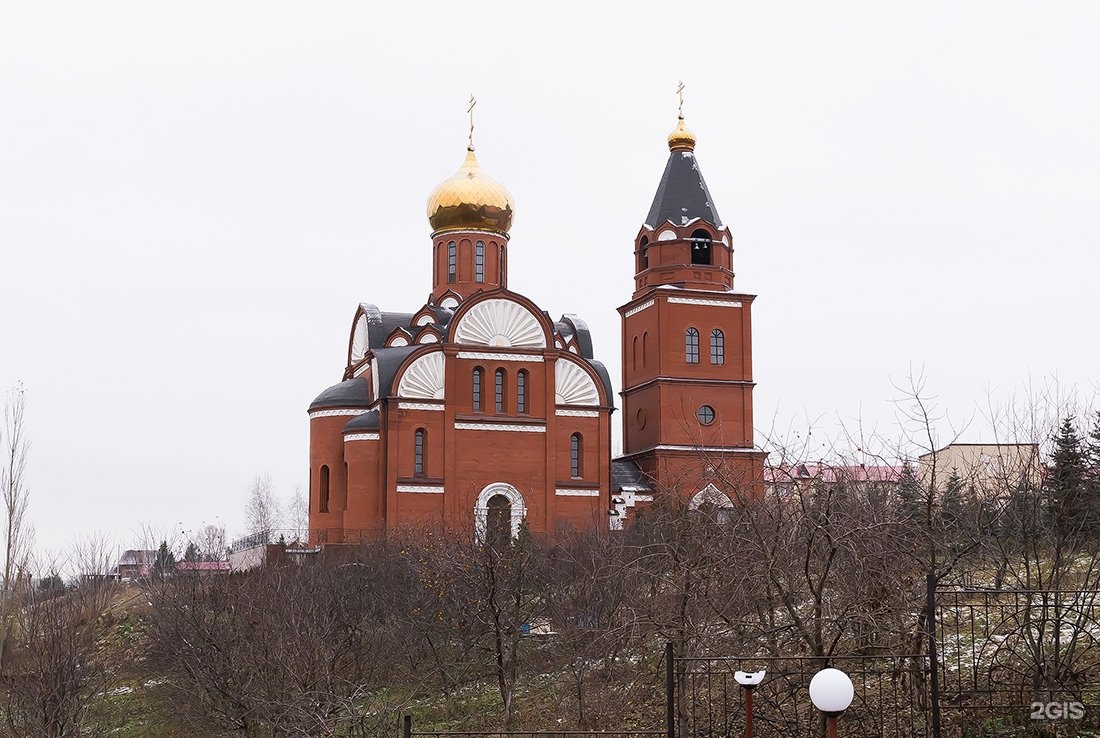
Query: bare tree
{"points": [[211, 543], [262, 509], [16, 446], [63, 660], [298, 514], [18, 533]]}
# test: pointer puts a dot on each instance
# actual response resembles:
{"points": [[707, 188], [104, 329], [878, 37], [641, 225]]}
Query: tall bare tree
{"points": [[16, 447], [262, 509]]}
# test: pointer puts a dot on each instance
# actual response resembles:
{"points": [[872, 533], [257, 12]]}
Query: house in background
{"points": [[997, 468], [135, 564], [785, 479]]}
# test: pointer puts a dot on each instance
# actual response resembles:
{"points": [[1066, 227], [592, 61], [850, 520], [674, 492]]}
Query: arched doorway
{"points": [[498, 512], [498, 521]]}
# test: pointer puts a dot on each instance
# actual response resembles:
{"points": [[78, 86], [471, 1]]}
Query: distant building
{"points": [[135, 564], [990, 468], [785, 479]]}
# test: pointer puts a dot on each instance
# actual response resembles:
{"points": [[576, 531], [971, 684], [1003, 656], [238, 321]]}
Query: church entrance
{"points": [[498, 522]]}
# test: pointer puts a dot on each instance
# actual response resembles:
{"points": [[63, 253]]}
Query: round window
{"points": [[705, 414], [640, 416]]}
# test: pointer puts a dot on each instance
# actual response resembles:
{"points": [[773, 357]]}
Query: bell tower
{"points": [[687, 345]]}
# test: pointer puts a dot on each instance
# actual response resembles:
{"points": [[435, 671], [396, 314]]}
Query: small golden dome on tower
{"points": [[681, 139], [470, 201]]}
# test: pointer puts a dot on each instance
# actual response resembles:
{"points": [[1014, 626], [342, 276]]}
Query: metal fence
{"points": [[408, 732], [303, 537], [1018, 659], [891, 696]]}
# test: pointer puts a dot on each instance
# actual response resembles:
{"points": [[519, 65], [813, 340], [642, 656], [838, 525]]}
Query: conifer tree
{"points": [[165, 562], [911, 500], [191, 553], [1068, 498], [952, 503]]}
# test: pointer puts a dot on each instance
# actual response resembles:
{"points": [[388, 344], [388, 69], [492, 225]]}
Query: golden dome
{"points": [[470, 201], [681, 139]]}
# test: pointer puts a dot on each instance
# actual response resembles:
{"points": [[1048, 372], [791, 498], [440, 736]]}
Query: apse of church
{"points": [[478, 410]]}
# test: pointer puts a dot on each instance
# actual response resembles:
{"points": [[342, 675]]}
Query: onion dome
{"points": [[681, 139], [470, 201]]}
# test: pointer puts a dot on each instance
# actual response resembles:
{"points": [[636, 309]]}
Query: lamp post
{"points": [[831, 692], [749, 681]]}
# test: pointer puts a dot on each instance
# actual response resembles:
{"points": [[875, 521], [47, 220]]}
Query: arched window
{"points": [[634, 354], [479, 262], [645, 346], [452, 262], [717, 347], [500, 264], [500, 390], [521, 391], [323, 497], [576, 465], [477, 390], [643, 249], [691, 346], [418, 459], [700, 247]]}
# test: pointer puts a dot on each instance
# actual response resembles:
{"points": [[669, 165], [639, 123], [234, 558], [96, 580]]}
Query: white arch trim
{"points": [[424, 378], [481, 507], [500, 322], [360, 340], [573, 385], [710, 495]]}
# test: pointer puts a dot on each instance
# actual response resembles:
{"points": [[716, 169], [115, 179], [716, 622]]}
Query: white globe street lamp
{"points": [[749, 680], [831, 692]]}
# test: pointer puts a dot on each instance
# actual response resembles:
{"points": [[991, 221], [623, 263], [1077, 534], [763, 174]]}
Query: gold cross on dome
{"points": [[680, 92], [470, 110]]}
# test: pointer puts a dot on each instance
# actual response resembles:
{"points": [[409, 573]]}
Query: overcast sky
{"points": [[194, 198]]}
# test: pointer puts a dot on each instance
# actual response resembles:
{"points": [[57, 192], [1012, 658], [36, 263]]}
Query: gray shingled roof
{"points": [[625, 473], [389, 359], [366, 422], [605, 378], [682, 195], [352, 393]]}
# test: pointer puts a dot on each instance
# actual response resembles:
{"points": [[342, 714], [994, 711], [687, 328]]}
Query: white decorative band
{"points": [[336, 413], [640, 308], [577, 413], [485, 356], [501, 427], [694, 301], [362, 437], [420, 406], [723, 449], [424, 489], [643, 498], [577, 492]]}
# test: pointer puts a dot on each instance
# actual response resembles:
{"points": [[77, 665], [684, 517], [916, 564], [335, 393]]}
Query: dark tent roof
{"points": [[682, 195], [352, 393]]}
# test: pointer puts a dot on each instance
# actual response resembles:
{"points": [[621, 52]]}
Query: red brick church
{"points": [[478, 410]]}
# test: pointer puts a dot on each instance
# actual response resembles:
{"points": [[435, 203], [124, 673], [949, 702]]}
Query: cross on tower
{"points": [[680, 92], [470, 110]]}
